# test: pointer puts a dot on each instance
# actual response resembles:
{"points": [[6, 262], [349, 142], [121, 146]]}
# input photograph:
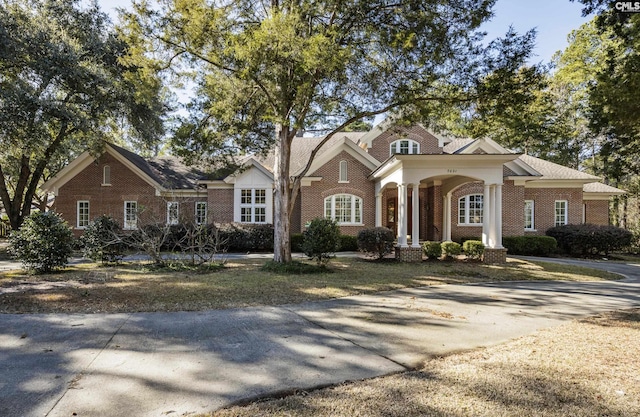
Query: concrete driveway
{"points": [[173, 364]]}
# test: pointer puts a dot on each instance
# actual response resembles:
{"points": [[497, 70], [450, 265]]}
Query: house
{"points": [[424, 186]]}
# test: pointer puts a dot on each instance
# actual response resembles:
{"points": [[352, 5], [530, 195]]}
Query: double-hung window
{"points": [[83, 214], [529, 215], [201, 212], [561, 212], [253, 205], [130, 215], [173, 215], [343, 208], [470, 209]]}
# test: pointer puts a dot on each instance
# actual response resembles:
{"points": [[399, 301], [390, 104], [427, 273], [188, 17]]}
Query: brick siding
{"points": [[380, 147], [544, 206], [312, 197], [597, 212]]}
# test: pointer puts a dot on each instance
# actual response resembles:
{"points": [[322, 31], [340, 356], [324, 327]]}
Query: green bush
{"points": [[321, 240], [530, 245], [473, 249], [451, 249], [466, 238], [43, 243], [432, 250], [101, 240], [590, 239], [377, 241], [348, 243], [296, 242]]}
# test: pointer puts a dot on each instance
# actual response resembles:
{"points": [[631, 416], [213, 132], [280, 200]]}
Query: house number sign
{"points": [[452, 171]]}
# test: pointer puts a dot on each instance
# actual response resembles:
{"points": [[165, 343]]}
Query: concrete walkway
{"points": [[174, 364]]}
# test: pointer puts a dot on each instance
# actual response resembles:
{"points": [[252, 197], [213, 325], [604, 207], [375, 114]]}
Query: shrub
{"points": [[451, 249], [321, 240], [466, 238], [530, 245], [101, 240], [377, 241], [43, 243], [296, 242], [473, 249], [432, 250], [590, 239], [348, 243], [247, 237]]}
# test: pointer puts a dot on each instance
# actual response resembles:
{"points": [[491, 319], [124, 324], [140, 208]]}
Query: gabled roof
{"points": [[552, 171]]}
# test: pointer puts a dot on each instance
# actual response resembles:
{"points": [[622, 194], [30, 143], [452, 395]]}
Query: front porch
{"points": [[414, 196]]}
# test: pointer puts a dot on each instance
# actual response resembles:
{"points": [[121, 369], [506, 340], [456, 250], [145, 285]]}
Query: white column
{"points": [[379, 210], [415, 218], [492, 217], [498, 210], [447, 236], [402, 215], [445, 226], [486, 217]]}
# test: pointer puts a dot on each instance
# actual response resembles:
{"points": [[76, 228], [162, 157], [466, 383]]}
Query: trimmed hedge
{"points": [[590, 239], [348, 243], [473, 249], [451, 249], [432, 250], [247, 237], [530, 245]]}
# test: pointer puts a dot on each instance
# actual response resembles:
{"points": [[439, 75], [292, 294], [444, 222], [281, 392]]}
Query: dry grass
{"points": [[90, 288], [584, 368]]}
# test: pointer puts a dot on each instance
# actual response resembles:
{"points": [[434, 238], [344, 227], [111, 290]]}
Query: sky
{"points": [[553, 19]]}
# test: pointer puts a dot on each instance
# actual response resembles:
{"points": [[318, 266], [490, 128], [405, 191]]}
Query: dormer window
{"points": [[404, 146]]}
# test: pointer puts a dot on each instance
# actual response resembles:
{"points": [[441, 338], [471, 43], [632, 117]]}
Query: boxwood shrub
{"points": [[376, 241], [432, 250], [530, 245], [473, 249], [451, 249]]}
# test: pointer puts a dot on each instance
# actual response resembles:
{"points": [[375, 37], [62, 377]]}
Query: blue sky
{"points": [[554, 20]]}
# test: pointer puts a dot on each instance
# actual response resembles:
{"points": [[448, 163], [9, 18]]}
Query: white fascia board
{"points": [[540, 183], [76, 166], [597, 196], [523, 169], [250, 163], [307, 181]]}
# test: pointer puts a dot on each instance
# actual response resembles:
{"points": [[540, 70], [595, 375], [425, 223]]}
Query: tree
{"points": [[65, 85], [266, 70]]}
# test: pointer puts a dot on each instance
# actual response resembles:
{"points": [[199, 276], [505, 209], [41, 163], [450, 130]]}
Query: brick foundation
{"points": [[408, 254], [494, 256]]}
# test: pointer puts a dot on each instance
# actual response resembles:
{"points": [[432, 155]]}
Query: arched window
{"points": [[343, 172], [106, 175], [470, 209], [343, 208], [404, 146]]}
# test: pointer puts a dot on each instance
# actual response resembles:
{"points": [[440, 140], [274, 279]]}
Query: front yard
{"points": [[91, 288]]}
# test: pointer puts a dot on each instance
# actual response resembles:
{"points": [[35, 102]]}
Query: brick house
{"points": [[424, 186]]}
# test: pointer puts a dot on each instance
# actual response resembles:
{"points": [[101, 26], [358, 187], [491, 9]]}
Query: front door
{"points": [[392, 215]]}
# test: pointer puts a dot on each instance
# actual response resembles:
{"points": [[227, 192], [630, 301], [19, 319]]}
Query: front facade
{"points": [[422, 186]]}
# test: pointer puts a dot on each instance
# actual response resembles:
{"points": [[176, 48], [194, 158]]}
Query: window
{"points": [[561, 212], [343, 172], [529, 223], [404, 146], [470, 209], [343, 208], [130, 215], [106, 175], [172, 212], [253, 206], [201, 212], [83, 214]]}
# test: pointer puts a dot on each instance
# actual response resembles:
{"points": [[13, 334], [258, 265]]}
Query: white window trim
{"points": [[467, 209], [135, 220], [106, 172], [252, 205], [343, 174], [566, 213], [206, 212], [533, 216], [394, 147], [332, 199], [171, 221], [78, 226]]}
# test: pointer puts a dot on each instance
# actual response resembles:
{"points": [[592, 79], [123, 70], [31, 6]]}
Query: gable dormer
{"points": [[385, 141]]}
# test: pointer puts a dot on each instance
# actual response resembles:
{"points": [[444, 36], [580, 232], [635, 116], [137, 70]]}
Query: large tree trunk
{"points": [[282, 183]]}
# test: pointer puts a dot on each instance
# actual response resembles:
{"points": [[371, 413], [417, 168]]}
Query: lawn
{"points": [[584, 368], [91, 288]]}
